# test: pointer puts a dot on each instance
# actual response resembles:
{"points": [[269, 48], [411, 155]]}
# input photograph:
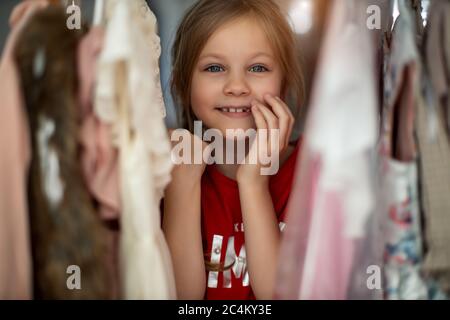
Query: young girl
{"points": [[234, 65]]}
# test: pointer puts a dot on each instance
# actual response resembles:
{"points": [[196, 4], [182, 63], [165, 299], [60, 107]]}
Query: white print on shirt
{"points": [[239, 227], [238, 262]]}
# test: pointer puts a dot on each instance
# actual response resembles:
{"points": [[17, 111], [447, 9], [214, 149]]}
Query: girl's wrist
{"points": [[191, 173], [261, 182], [184, 184]]}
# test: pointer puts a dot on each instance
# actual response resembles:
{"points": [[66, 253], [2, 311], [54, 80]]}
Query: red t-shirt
{"points": [[222, 228]]}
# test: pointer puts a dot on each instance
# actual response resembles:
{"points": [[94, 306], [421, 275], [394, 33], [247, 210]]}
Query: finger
{"points": [[264, 135], [273, 123], [260, 121], [292, 120], [283, 113], [272, 120], [261, 126]]}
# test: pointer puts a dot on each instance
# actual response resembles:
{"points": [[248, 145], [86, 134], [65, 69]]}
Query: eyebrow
{"points": [[219, 56]]}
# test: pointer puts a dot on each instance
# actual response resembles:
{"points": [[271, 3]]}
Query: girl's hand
{"points": [[279, 118], [188, 172]]}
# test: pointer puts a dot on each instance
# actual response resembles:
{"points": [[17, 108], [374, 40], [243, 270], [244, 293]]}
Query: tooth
{"points": [[232, 110], [238, 110]]}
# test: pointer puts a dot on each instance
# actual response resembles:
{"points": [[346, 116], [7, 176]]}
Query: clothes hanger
{"points": [[99, 10]]}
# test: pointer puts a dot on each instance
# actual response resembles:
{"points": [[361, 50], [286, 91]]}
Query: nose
{"points": [[236, 85]]}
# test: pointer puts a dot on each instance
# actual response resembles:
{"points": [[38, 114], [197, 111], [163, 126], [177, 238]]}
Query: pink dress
{"points": [[333, 198]]}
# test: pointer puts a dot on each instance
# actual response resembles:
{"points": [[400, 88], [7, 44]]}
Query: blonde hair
{"points": [[203, 19]]}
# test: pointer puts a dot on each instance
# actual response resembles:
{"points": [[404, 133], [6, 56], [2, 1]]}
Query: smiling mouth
{"points": [[235, 109]]}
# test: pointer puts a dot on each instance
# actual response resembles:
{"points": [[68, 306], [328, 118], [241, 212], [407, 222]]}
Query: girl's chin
{"points": [[238, 124], [236, 128], [237, 133]]}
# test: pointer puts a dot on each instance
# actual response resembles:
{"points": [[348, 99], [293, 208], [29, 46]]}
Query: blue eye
{"points": [[214, 68], [258, 68]]}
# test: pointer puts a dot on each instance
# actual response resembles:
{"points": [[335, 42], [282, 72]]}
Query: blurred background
{"points": [[306, 16]]}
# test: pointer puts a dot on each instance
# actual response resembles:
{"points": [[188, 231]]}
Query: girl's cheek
{"points": [[270, 86], [197, 112]]}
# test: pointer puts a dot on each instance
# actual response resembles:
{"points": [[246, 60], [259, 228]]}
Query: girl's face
{"points": [[236, 66]]}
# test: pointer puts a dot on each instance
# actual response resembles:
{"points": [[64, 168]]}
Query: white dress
{"points": [[129, 96]]}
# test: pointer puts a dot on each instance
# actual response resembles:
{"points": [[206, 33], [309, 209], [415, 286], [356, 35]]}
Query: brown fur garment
{"points": [[70, 232]]}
